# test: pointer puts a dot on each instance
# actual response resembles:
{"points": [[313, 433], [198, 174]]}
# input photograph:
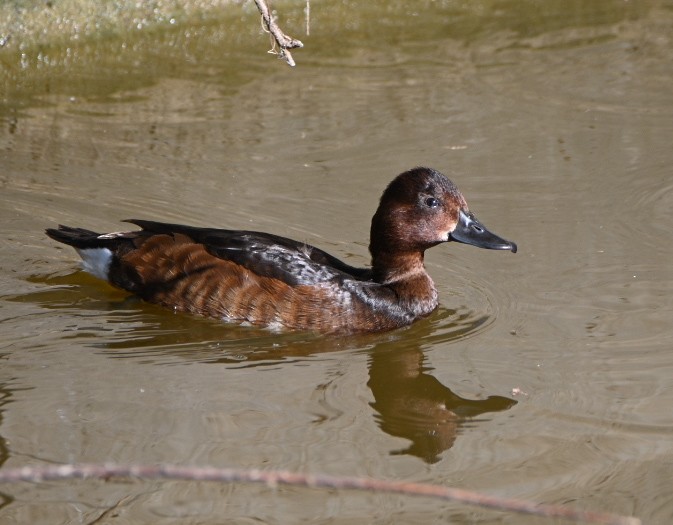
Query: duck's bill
{"points": [[470, 231]]}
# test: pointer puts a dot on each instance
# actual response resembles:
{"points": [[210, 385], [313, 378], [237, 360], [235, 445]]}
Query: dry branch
{"points": [[273, 478], [285, 43]]}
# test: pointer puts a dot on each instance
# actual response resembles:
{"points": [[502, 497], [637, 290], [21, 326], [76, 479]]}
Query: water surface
{"points": [[544, 375]]}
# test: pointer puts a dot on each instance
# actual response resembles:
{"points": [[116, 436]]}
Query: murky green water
{"points": [[555, 120]]}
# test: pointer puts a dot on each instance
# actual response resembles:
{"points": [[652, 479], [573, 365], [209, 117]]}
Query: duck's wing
{"points": [[264, 254]]}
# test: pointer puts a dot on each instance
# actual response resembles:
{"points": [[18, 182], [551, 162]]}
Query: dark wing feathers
{"points": [[265, 254]]}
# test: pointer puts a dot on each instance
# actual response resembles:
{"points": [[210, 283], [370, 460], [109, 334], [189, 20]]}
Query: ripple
{"points": [[652, 202], [628, 61]]}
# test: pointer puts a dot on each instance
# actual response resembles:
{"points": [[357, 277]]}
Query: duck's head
{"points": [[421, 208]]}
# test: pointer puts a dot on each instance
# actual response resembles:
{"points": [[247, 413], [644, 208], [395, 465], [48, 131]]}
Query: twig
{"points": [[273, 478], [285, 43], [307, 12]]}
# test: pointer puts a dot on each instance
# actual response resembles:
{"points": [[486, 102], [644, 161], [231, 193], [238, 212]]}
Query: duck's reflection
{"points": [[412, 404], [6, 395], [409, 402]]}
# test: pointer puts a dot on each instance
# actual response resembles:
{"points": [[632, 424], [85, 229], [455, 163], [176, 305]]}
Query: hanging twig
{"points": [[285, 43], [273, 478], [307, 13]]}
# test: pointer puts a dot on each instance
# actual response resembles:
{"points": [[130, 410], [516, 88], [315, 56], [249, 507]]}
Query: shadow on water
{"points": [[409, 401]]}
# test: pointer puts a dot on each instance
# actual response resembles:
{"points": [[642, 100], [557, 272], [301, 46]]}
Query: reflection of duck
{"points": [[273, 281], [414, 405], [408, 401], [6, 394]]}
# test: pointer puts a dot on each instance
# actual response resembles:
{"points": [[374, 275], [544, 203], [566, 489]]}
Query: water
{"points": [[544, 375]]}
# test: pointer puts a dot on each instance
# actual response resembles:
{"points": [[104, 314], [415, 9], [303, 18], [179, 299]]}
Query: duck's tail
{"points": [[96, 250], [76, 237]]}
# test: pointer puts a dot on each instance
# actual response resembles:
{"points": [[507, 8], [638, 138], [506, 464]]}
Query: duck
{"points": [[270, 281]]}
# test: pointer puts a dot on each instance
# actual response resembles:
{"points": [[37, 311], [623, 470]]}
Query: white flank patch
{"points": [[96, 261]]}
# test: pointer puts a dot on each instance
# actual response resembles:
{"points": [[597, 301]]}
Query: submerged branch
{"points": [[273, 478], [285, 43]]}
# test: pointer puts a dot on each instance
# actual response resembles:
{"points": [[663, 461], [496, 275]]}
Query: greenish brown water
{"points": [[555, 119]]}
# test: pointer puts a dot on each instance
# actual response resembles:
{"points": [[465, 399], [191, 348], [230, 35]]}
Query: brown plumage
{"points": [[276, 282]]}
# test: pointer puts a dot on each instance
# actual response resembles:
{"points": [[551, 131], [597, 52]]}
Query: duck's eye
{"points": [[431, 202]]}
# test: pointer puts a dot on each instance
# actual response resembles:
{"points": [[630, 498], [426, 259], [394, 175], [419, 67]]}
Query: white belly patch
{"points": [[96, 261]]}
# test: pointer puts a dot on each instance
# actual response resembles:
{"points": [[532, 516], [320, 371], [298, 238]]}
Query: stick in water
{"points": [[273, 478]]}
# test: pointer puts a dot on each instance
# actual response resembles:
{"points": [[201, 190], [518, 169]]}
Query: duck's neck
{"points": [[405, 274], [389, 268]]}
